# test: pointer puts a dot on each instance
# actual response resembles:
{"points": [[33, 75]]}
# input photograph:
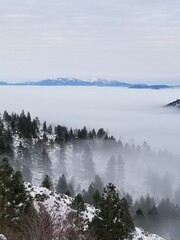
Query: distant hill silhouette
{"points": [[175, 104], [79, 82]]}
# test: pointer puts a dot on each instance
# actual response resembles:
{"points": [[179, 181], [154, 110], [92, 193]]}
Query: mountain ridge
{"points": [[79, 82]]}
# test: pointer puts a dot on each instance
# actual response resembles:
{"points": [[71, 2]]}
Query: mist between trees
{"points": [[82, 161]]}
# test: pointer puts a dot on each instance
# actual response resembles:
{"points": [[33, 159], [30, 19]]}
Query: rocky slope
{"points": [[60, 205]]}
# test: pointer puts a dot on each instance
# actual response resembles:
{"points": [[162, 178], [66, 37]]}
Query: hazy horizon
{"points": [[129, 81]]}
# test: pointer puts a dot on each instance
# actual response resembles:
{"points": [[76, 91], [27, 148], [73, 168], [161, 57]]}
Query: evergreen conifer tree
{"points": [[153, 212], [49, 129], [62, 186], [14, 198], [96, 199], [44, 126], [78, 204], [98, 183], [45, 138], [71, 189], [61, 159], [45, 162], [88, 169], [111, 170], [112, 220], [139, 213], [47, 183]]}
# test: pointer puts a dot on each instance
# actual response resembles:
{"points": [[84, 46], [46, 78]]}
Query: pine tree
{"points": [[112, 220], [14, 198], [120, 168], [23, 155], [62, 186], [45, 162], [88, 195], [88, 169], [20, 153], [153, 212], [49, 129], [101, 133], [140, 219], [111, 170], [61, 134], [44, 126], [45, 138], [98, 184], [47, 183], [94, 133], [76, 160], [71, 135], [61, 159], [6, 116], [84, 133], [71, 189], [139, 212], [96, 198], [149, 203], [78, 204]]}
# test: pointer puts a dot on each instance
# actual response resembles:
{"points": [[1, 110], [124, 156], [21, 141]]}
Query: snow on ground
{"points": [[54, 202], [60, 205], [2, 237], [140, 234]]}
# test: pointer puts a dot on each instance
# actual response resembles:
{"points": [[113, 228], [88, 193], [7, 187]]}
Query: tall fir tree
{"points": [[62, 185], [45, 162], [120, 169], [88, 168], [98, 183], [47, 182], [112, 220], [110, 175], [61, 159], [78, 204], [15, 200]]}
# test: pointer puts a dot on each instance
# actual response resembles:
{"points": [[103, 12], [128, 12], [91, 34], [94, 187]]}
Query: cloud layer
{"points": [[126, 113]]}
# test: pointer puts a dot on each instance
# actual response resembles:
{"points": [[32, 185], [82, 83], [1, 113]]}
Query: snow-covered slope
{"points": [[142, 235], [60, 204], [2, 237]]}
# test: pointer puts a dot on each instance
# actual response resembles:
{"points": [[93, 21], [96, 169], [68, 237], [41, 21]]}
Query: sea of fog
{"points": [[132, 115]]}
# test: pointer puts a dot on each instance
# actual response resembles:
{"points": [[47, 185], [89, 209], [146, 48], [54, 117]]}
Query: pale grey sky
{"points": [[128, 40]]}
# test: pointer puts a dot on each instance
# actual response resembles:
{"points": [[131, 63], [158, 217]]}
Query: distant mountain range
{"points": [[79, 82]]}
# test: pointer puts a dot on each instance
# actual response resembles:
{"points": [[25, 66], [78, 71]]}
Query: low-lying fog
{"points": [[129, 114], [132, 115]]}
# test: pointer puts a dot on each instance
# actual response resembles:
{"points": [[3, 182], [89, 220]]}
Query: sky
{"points": [[127, 40]]}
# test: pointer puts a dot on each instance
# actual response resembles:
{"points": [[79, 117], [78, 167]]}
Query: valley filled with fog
{"points": [[143, 159], [135, 116], [132, 115]]}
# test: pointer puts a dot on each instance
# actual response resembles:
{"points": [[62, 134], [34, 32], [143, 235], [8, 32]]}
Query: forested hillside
{"points": [[81, 162], [29, 212]]}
